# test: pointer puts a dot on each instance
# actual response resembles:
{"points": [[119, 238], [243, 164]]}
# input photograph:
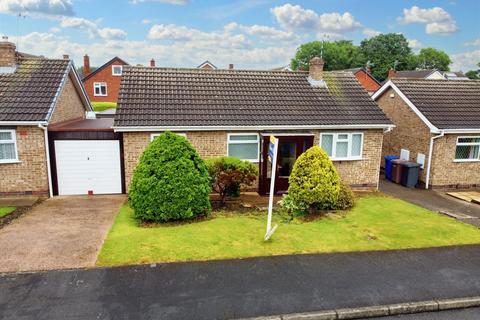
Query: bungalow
{"points": [[233, 113], [437, 123], [35, 94]]}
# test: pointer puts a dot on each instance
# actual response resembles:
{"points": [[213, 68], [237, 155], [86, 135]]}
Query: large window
{"points": [[468, 149], [8, 146], [244, 146], [117, 70], [342, 145], [100, 89]]}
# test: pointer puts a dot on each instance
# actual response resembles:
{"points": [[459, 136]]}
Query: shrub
{"points": [[170, 182], [297, 209], [229, 174], [346, 198], [314, 180]]}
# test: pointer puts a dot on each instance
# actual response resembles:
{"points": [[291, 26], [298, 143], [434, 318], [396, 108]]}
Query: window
{"points": [[342, 146], [244, 146], [468, 149], [156, 135], [8, 146], [117, 70], [100, 89]]}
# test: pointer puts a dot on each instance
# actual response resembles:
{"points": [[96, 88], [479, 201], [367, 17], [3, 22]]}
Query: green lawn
{"points": [[376, 223], [102, 106], [4, 211]]}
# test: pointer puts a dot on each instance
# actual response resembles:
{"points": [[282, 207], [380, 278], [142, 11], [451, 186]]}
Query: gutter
{"points": [[47, 155], [430, 152]]}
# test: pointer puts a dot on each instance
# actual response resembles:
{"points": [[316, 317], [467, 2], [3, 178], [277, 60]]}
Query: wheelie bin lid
{"points": [[411, 164]]}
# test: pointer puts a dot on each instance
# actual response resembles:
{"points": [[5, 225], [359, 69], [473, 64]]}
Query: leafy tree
{"points": [[338, 55], [170, 182], [386, 51], [474, 74], [431, 58]]}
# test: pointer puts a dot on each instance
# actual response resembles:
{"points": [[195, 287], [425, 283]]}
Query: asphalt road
{"points": [[464, 314], [243, 288]]}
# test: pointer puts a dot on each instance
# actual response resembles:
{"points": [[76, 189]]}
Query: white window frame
{"points": [[466, 144], [155, 135], [349, 156], [257, 141], [117, 74], [99, 84], [14, 141]]}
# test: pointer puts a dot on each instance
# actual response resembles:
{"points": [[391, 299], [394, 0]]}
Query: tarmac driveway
{"points": [[61, 232]]}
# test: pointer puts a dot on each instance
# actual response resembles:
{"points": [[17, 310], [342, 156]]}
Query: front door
{"points": [[289, 149]]}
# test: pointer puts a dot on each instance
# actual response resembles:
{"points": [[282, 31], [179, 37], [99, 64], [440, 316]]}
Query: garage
{"points": [[86, 158]]}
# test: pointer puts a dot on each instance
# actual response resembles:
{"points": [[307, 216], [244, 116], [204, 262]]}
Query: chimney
{"points": [[230, 66], [66, 57], [86, 65], [316, 68], [7, 53], [391, 73], [152, 63]]}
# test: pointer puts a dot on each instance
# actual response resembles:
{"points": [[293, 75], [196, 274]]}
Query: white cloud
{"points": [[294, 17], [473, 43], [146, 21], [415, 44], [264, 32], [370, 33], [42, 7], [112, 34], [77, 23], [465, 61], [436, 20], [55, 30], [92, 28], [177, 2]]}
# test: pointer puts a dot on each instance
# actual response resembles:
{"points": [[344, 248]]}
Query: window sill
{"points": [[9, 161], [466, 160], [347, 159], [100, 95]]}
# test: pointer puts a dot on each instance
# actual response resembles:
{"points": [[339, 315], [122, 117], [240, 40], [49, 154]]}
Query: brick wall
{"points": [[446, 173], [30, 174], [69, 105], [105, 75], [366, 81], [410, 132]]}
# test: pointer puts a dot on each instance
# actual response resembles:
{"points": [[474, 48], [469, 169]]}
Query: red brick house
{"points": [[366, 79], [103, 84]]}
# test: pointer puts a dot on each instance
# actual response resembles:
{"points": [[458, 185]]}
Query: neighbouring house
{"points": [[234, 112], [431, 74], [458, 75], [35, 95], [207, 65], [437, 123], [368, 82], [102, 85]]}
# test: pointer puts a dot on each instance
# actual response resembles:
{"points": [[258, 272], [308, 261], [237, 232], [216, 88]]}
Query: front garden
{"points": [[4, 211], [169, 217]]}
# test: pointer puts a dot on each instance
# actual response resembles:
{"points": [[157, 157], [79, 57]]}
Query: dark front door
{"points": [[289, 149]]}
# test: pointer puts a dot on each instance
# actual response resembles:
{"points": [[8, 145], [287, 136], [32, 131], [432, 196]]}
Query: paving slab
{"points": [[20, 201], [61, 232]]}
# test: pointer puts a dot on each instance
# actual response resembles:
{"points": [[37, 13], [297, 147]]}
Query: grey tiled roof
{"points": [[446, 104], [196, 97], [27, 94], [414, 74]]}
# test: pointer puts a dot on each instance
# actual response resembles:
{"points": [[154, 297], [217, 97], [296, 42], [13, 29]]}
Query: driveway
{"points": [[435, 201], [61, 232]]}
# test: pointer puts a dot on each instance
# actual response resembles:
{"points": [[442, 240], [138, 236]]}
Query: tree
{"points": [[431, 58], [80, 70], [387, 51], [474, 74], [170, 182], [337, 55]]}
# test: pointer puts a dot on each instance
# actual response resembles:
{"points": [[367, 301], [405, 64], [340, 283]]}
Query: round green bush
{"points": [[346, 198], [170, 182], [314, 180]]}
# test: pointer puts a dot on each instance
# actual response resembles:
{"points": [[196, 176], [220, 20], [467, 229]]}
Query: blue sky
{"points": [[250, 33]]}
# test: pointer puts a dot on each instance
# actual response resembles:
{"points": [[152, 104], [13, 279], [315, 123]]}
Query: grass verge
{"points": [[4, 211], [376, 223], [102, 106]]}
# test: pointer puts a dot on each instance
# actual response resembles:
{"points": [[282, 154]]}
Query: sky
{"points": [[251, 34]]}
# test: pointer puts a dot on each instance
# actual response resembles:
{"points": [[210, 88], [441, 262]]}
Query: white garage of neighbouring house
{"points": [[86, 158]]}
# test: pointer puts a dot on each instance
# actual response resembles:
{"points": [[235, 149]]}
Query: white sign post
{"points": [[272, 155]]}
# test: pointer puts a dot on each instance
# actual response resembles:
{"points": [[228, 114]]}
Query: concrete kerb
{"points": [[380, 311]]}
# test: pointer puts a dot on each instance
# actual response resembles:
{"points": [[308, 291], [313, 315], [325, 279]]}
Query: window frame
{"points": [[349, 140], [155, 135], [99, 84], [14, 141], [116, 74], [257, 141], [466, 144]]}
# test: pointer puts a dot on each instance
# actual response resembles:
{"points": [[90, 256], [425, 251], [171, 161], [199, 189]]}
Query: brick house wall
{"points": [[366, 81], [360, 173], [29, 176], [446, 173], [104, 75], [69, 105], [410, 131]]}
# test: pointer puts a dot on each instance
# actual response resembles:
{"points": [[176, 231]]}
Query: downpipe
{"points": [[430, 152], [47, 156]]}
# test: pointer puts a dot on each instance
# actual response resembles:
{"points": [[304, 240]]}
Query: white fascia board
{"points": [[254, 128], [81, 86], [460, 131], [22, 123], [390, 84]]}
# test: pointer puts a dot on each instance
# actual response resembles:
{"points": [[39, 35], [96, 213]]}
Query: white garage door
{"points": [[88, 165]]}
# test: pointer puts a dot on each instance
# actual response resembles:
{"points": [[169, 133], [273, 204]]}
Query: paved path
{"points": [[243, 288], [61, 232], [434, 200], [462, 314]]}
